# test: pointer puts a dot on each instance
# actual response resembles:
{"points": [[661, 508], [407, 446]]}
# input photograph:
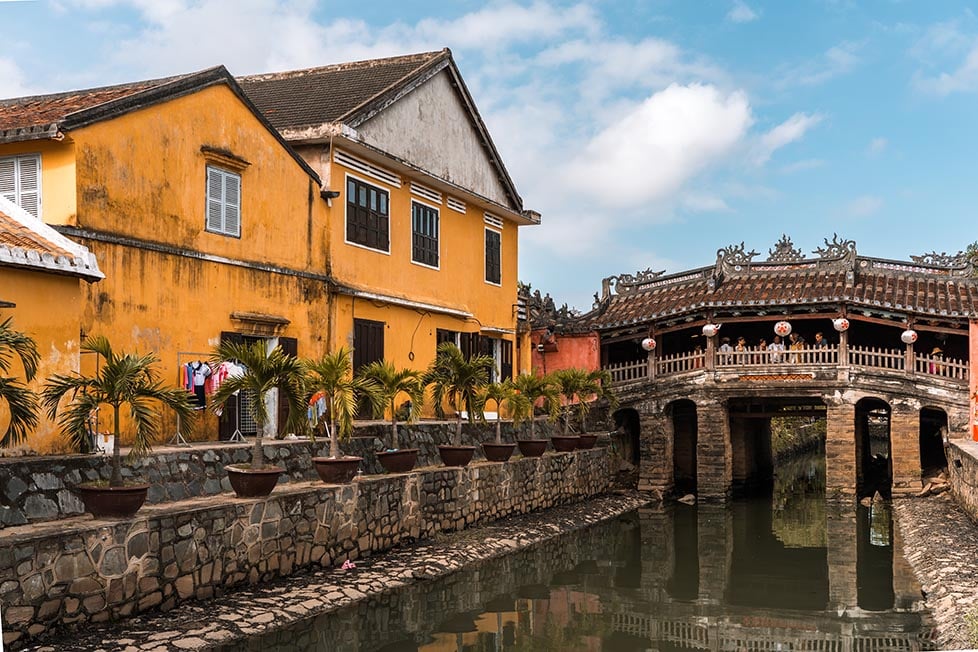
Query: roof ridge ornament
{"points": [[943, 259], [784, 251], [837, 248]]}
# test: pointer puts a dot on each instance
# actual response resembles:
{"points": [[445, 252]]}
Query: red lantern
{"points": [[841, 324], [908, 336], [648, 344], [711, 329], [782, 328]]}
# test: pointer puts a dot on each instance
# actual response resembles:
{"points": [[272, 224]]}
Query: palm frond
{"points": [[22, 408], [14, 343]]}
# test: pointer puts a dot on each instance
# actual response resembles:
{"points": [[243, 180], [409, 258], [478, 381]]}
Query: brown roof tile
{"points": [[314, 96], [27, 242]]}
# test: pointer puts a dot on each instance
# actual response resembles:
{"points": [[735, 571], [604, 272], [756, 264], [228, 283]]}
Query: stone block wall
{"points": [[93, 571], [37, 489], [962, 469]]}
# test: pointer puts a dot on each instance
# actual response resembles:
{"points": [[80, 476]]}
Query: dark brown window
{"points": [[367, 215], [368, 342], [424, 234], [493, 256]]}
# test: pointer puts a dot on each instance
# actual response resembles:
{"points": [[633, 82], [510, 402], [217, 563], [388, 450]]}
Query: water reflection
{"points": [[784, 572]]}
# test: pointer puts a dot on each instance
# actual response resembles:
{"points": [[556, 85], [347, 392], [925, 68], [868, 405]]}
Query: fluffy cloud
{"points": [[834, 62], [656, 148], [741, 13], [12, 80], [964, 78], [792, 129]]}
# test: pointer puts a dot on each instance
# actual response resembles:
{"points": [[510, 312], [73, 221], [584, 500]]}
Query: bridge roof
{"points": [[934, 285]]}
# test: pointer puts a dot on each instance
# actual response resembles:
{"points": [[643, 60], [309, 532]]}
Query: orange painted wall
{"points": [[973, 374], [573, 351]]}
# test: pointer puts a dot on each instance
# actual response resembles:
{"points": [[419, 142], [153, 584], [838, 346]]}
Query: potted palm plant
{"points": [[391, 383], [126, 379], [535, 389], [498, 392], [597, 384], [458, 380], [570, 383], [263, 371], [332, 376], [20, 400]]}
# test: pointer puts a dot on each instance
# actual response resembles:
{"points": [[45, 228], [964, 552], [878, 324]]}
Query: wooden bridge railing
{"points": [[864, 357]]}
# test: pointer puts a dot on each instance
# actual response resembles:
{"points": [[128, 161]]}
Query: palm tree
{"points": [[264, 370], [123, 379], [332, 375], [458, 380], [598, 384], [498, 392], [21, 401], [393, 382], [580, 385], [533, 388]]}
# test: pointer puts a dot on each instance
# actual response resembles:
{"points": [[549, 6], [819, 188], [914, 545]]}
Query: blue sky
{"points": [[649, 134]]}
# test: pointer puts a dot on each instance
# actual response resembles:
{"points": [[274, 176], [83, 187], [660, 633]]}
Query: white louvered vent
{"points": [[492, 220], [426, 192], [20, 182], [367, 168], [456, 205]]}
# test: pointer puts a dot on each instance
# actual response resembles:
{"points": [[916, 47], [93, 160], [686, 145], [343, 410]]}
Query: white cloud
{"points": [[663, 142], [741, 13], [864, 206], [802, 165], [792, 129], [877, 146], [12, 80], [963, 79], [834, 62]]}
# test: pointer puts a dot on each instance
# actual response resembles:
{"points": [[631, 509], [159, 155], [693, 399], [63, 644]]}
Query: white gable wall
{"points": [[430, 128]]}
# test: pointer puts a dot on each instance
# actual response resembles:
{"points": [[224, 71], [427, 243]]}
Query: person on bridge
{"points": [[762, 347], [776, 347], [726, 350]]}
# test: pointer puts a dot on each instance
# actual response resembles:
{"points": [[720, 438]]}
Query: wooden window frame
{"points": [[222, 202], [425, 248], [352, 182], [498, 281], [16, 195]]}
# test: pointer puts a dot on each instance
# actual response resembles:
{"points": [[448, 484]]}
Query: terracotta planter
{"points": [[337, 470], [399, 461], [498, 452], [253, 483], [532, 447], [456, 455], [565, 443], [587, 441], [112, 502]]}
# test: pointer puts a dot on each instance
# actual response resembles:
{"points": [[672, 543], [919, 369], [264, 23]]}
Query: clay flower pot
{"points": [[532, 447], [112, 502], [398, 461], [498, 452], [253, 483], [337, 470], [456, 455], [586, 442], [565, 443]]}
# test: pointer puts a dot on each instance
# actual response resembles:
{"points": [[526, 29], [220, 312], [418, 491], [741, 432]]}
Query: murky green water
{"points": [[784, 572]]}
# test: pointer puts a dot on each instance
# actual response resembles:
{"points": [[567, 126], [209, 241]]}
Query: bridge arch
{"points": [[874, 454], [933, 430], [627, 421], [682, 416]]}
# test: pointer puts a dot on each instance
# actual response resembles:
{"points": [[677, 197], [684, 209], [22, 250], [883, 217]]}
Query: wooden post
{"points": [[711, 346], [844, 349], [908, 361]]}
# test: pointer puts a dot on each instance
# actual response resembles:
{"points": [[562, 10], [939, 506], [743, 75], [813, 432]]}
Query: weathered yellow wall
{"points": [[58, 204], [460, 280], [142, 177], [48, 308]]}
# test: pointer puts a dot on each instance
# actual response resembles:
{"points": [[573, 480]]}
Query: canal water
{"points": [[786, 571]]}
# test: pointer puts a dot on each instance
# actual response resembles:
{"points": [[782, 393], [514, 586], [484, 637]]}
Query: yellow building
{"points": [[423, 230], [42, 279], [362, 204], [206, 223]]}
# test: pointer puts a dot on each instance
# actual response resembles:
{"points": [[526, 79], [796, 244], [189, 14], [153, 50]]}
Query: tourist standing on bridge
{"points": [[776, 347], [762, 347], [741, 350], [822, 345], [726, 350]]}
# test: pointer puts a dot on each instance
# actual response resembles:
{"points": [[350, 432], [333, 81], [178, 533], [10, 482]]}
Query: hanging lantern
{"points": [[710, 330], [908, 336], [782, 328], [648, 344], [841, 324]]}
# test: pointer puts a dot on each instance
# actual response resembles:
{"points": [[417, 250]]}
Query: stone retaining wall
{"points": [[82, 570], [962, 470], [37, 489]]}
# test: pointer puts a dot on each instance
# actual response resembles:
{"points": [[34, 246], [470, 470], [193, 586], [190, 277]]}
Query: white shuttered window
{"points": [[20, 181], [223, 202]]}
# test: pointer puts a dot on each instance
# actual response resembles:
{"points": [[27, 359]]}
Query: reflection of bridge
{"points": [[896, 349]]}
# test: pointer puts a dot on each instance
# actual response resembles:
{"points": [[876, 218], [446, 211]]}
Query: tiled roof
{"points": [[314, 96], [874, 284], [25, 241], [22, 116]]}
